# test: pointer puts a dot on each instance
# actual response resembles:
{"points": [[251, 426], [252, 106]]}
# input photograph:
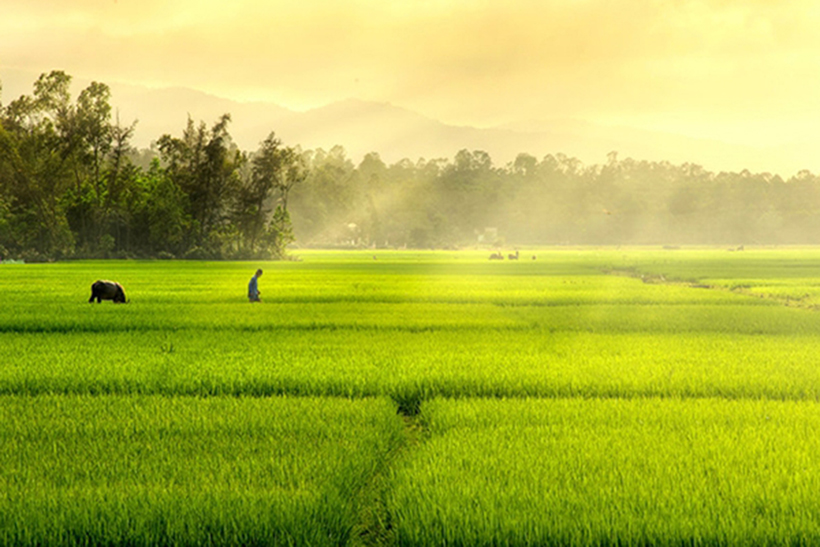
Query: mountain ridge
{"points": [[394, 132]]}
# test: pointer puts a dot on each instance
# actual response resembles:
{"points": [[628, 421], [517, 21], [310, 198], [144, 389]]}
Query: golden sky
{"points": [[744, 71]]}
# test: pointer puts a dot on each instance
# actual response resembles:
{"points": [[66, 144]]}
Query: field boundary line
{"points": [[408, 408], [660, 279], [374, 524]]}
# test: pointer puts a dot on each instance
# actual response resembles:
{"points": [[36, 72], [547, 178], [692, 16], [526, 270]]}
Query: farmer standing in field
{"points": [[253, 287]]}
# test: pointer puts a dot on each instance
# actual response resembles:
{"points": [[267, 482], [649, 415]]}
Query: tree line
{"points": [[555, 200], [73, 186]]}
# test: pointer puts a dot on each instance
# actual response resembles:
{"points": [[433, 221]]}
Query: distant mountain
{"points": [[395, 133], [585, 139], [161, 111]]}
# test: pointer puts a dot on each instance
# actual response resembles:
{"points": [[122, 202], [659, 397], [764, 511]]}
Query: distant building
{"points": [[489, 235]]}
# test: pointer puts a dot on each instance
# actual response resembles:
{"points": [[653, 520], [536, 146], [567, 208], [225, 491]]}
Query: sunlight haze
{"points": [[741, 72]]}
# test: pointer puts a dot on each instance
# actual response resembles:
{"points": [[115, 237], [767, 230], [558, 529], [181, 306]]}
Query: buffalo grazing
{"points": [[107, 290]]}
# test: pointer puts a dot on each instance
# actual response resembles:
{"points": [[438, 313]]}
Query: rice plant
{"points": [[611, 472], [595, 396], [188, 471]]}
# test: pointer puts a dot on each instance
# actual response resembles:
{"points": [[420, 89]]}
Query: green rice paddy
{"points": [[588, 397], [601, 472], [155, 470]]}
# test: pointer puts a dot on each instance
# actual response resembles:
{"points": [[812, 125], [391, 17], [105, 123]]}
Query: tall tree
{"points": [[40, 147], [204, 164], [88, 127], [275, 170], [253, 205], [121, 183]]}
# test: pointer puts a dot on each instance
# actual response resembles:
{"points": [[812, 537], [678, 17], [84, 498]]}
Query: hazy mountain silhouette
{"points": [[396, 133]]}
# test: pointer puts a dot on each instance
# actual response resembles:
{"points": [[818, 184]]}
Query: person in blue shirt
{"points": [[253, 287]]}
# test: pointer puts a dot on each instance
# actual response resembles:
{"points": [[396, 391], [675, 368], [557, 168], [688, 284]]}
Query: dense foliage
{"points": [[552, 201], [71, 185]]}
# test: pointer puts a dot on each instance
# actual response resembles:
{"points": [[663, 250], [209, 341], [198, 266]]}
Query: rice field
{"points": [[588, 397], [612, 472], [152, 470]]}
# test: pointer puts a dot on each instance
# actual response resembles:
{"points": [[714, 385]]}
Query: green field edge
{"points": [[329, 327], [659, 279], [408, 402]]}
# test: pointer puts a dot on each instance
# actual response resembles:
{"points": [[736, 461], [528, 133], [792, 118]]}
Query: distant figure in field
{"points": [[253, 287], [497, 256], [514, 256], [103, 289]]}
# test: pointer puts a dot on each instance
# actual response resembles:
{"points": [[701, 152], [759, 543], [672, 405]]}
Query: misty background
{"points": [[396, 133], [249, 180]]}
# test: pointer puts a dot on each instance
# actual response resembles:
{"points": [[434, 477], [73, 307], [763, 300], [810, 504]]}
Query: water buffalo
{"points": [[107, 290]]}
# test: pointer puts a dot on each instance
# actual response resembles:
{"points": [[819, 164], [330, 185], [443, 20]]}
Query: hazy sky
{"points": [[741, 70]]}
